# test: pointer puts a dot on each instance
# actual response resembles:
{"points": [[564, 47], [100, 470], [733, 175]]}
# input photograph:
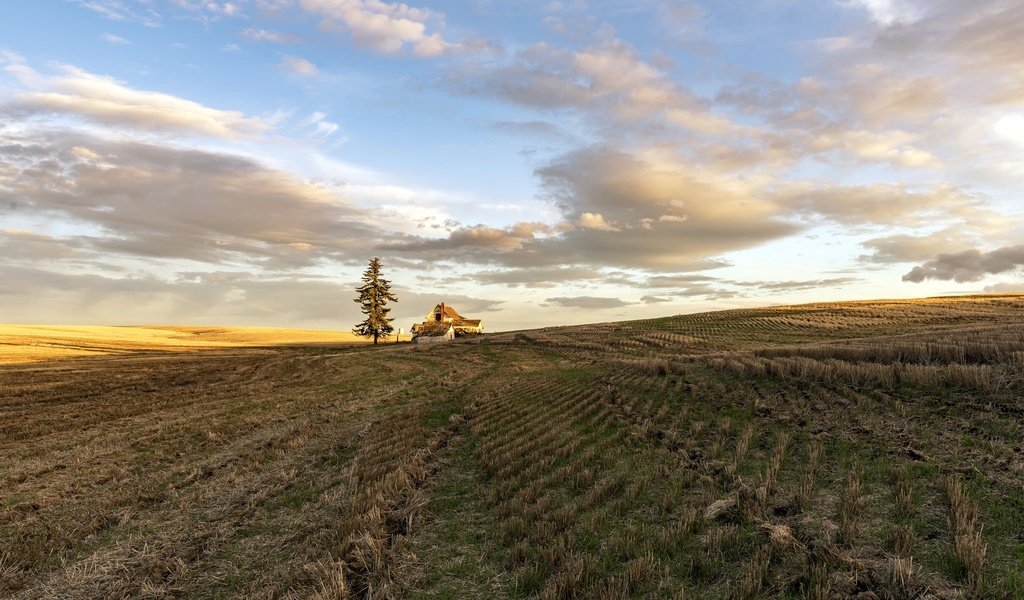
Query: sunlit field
{"points": [[868, 449], [26, 343]]}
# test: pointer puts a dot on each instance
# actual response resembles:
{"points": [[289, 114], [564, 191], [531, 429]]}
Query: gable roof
{"points": [[449, 312]]}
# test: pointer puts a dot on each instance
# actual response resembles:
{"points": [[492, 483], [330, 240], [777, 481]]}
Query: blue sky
{"points": [[531, 163]]}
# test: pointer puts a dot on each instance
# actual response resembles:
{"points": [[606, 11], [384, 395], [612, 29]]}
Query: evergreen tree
{"points": [[374, 295]]}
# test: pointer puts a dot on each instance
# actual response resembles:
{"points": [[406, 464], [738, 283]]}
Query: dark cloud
{"points": [[587, 302], [25, 246], [541, 277], [800, 286], [656, 214], [164, 202], [1001, 288], [914, 248], [969, 265], [674, 281]]}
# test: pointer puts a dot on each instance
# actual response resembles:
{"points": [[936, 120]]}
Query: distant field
{"points": [[27, 343], [867, 450]]}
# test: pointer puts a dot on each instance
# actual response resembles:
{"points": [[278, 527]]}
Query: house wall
{"points": [[434, 339]]}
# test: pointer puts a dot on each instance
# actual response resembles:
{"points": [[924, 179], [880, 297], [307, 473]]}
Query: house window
{"points": [[437, 315]]}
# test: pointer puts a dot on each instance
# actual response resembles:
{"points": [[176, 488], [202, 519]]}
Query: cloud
{"points": [[800, 286], [1008, 287], [589, 220], [887, 12], [708, 289], [210, 10], [609, 80], [969, 265], [676, 281], [107, 101], [685, 23], [621, 210], [542, 277], [884, 204], [477, 239], [321, 127], [587, 302], [265, 35], [135, 199], [114, 39], [298, 66], [231, 48], [900, 248], [32, 295], [19, 245], [386, 27], [636, 193], [121, 10], [694, 286]]}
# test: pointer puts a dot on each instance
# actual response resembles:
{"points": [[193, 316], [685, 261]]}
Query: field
{"points": [[854, 450], [30, 343]]}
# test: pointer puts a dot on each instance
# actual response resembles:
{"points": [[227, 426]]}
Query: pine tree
{"points": [[374, 295]]}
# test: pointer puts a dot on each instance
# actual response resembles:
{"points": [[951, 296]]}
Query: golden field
{"points": [[28, 343]]}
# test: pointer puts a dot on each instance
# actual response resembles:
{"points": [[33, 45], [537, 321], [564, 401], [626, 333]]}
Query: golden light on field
{"points": [[28, 343]]}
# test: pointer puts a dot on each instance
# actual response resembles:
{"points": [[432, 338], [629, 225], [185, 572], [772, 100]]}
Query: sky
{"points": [[530, 163]]}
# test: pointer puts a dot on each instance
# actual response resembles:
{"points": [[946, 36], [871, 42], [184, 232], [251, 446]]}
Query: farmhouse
{"points": [[442, 324]]}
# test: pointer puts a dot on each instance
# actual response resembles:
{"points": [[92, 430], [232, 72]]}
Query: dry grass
{"points": [[32, 343], [968, 543]]}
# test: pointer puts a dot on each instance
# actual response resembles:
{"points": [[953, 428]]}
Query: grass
{"points": [[34, 343], [820, 451]]}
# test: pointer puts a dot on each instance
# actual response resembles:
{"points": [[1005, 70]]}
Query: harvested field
{"points": [[869, 449], [30, 343]]}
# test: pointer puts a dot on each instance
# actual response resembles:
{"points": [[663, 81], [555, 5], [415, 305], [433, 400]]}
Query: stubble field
{"points": [[869, 450]]}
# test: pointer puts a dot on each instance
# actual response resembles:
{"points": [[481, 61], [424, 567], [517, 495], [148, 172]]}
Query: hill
{"points": [[865, 450]]}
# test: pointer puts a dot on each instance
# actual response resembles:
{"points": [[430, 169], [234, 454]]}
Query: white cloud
{"points": [[387, 27], [264, 35], [321, 127], [114, 39], [210, 7], [299, 66], [589, 220], [887, 12], [120, 10], [108, 101], [1011, 128]]}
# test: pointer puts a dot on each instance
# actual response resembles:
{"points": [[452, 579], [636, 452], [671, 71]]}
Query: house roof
{"points": [[448, 311], [466, 322], [431, 329]]}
